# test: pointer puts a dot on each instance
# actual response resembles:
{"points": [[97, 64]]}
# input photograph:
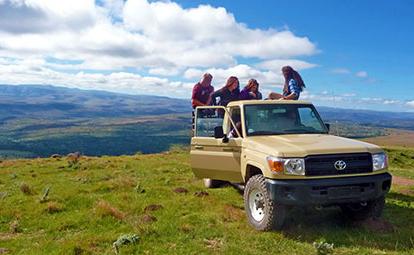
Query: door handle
{"points": [[199, 147]]}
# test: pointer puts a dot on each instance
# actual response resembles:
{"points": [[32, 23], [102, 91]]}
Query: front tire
{"points": [[359, 211], [263, 213]]}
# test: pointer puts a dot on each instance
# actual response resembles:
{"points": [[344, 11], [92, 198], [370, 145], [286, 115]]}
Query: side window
{"points": [[308, 118], [236, 117], [207, 120]]}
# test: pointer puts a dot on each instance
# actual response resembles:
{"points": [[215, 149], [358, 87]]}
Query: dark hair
{"points": [[292, 74], [230, 80], [251, 83]]}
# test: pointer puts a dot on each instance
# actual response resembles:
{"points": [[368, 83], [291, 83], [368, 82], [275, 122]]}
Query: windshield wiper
{"points": [[301, 131], [265, 133]]}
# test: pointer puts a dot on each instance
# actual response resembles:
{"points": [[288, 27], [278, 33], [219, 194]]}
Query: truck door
{"points": [[215, 158]]}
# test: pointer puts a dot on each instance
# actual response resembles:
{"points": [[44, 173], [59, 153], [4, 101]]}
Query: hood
{"points": [[301, 145]]}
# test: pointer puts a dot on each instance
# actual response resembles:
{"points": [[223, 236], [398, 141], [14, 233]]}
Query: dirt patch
{"points": [[15, 227], [395, 138], [213, 244], [4, 251], [153, 207], [103, 208], [201, 194], [407, 192], [8, 236], [181, 190], [78, 250], [397, 180], [377, 225], [53, 207], [146, 218], [26, 189], [186, 228], [232, 213]]}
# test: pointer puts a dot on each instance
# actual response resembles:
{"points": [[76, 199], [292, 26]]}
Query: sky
{"points": [[351, 54]]}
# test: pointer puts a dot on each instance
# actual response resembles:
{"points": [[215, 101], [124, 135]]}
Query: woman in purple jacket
{"points": [[250, 91]]}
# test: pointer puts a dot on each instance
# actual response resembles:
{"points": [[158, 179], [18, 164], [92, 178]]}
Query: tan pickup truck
{"points": [[285, 156]]}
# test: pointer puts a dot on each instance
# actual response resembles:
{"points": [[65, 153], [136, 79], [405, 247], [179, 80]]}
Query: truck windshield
{"points": [[278, 119]]}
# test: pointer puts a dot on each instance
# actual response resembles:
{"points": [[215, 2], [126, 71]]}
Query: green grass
{"points": [[401, 160], [91, 205]]}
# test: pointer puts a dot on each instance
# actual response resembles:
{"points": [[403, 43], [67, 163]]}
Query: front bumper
{"points": [[329, 191]]}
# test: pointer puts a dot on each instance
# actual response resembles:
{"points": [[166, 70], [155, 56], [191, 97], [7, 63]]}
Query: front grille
{"points": [[356, 163]]}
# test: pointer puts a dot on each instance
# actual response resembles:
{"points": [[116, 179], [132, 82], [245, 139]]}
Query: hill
{"points": [[39, 120], [91, 203], [400, 120], [57, 103]]}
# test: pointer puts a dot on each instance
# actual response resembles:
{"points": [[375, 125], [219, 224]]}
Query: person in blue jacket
{"points": [[293, 85]]}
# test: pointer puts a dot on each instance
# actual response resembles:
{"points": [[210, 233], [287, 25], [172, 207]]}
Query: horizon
{"points": [[189, 99], [346, 56]]}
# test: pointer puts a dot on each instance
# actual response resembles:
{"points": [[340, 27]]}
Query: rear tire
{"points": [[359, 211], [212, 184], [263, 213]]}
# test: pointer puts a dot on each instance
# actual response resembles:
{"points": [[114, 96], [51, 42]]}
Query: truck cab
{"points": [[283, 153]]}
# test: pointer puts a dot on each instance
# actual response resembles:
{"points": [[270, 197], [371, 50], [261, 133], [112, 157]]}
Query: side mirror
{"points": [[218, 132], [328, 126]]}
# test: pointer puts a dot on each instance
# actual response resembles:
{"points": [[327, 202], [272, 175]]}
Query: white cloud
{"points": [[391, 102], [277, 64], [33, 72], [153, 35], [362, 74], [410, 103], [267, 79], [48, 41]]}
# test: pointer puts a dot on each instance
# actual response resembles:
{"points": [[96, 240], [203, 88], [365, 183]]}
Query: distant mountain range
{"points": [[45, 101], [38, 120], [51, 102], [400, 120]]}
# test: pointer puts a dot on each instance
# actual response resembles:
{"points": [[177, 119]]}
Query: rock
{"points": [[181, 190], [201, 194], [148, 218], [74, 155], [4, 251], [153, 207], [56, 156]]}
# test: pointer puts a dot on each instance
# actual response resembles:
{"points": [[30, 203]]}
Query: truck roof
{"points": [[249, 102]]}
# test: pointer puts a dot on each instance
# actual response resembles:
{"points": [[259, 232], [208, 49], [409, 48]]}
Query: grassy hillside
{"points": [[93, 202], [146, 134]]}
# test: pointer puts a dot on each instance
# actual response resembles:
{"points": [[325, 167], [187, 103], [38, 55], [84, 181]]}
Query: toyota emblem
{"points": [[340, 165]]}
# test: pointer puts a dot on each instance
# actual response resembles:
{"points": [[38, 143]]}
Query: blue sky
{"points": [[351, 54], [353, 36]]}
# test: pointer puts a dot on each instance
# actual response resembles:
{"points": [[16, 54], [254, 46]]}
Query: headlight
{"points": [[291, 166], [379, 161], [295, 166]]}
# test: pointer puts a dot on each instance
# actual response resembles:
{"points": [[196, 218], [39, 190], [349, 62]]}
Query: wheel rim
{"points": [[256, 205]]}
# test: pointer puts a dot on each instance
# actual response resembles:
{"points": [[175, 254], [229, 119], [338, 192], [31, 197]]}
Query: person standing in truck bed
{"points": [[230, 92], [202, 93], [293, 85]]}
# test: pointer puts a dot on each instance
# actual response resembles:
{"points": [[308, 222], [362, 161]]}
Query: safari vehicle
{"points": [[284, 155]]}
